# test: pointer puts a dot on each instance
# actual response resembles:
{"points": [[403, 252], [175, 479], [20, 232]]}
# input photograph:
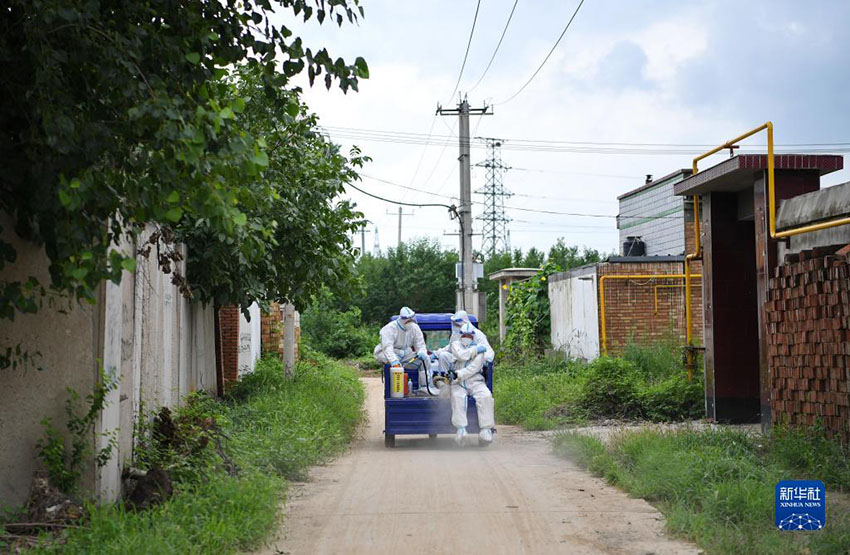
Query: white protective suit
{"points": [[395, 345], [446, 357], [470, 381]]}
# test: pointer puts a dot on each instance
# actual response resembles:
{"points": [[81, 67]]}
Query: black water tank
{"points": [[634, 246]]}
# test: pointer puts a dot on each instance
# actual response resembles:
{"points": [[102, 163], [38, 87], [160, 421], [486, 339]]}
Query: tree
{"points": [[297, 237], [570, 257], [418, 274], [120, 114]]}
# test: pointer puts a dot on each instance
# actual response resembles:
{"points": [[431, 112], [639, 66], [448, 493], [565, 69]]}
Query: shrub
{"points": [[334, 332], [611, 388]]}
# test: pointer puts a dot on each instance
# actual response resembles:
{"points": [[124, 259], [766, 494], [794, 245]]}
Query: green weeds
{"points": [[716, 486], [646, 383], [228, 487]]}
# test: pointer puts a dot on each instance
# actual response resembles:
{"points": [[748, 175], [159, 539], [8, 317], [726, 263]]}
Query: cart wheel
{"points": [[389, 440], [432, 436]]}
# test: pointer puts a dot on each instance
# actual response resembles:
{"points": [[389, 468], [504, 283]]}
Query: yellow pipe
{"points": [[771, 187], [626, 276], [657, 287]]}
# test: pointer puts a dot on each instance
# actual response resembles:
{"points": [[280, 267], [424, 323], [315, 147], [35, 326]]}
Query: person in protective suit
{"points": [[445, 356], [470, 358], [397, 337]]}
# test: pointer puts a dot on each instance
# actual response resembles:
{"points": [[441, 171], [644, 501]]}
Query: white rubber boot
{"points": [[485, 436], [460, 436]]}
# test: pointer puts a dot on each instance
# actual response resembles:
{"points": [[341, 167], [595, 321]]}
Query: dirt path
{"points": [[432, 497]]}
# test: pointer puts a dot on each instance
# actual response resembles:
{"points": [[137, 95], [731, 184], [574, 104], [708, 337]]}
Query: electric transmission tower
{"points": [[496, 237]]}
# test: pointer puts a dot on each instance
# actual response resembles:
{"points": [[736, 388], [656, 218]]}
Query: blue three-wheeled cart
{"points": [[416, 415]]}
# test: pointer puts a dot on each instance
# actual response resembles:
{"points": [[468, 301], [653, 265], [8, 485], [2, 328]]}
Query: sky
{"points": [[655, 72]]}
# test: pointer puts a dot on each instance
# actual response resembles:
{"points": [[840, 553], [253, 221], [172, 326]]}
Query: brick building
{"points": [[754, 345], [654, 214], [642, 309], [601, 307]]}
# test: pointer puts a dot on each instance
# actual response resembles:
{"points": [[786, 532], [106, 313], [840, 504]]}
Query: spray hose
{"points": [[422, 364]]}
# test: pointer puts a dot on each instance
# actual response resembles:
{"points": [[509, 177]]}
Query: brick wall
{"points": [[228, 324], [271, 325], [630, 309], [808, 320]]}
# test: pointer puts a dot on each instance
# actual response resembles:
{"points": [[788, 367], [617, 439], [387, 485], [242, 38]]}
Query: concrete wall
{"points": [[814, 207], [250, 333], [67, 343], [575, 313], [161, 344]]}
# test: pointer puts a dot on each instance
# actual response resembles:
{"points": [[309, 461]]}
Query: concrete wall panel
{"points": [[575, 314], [66, 341]]}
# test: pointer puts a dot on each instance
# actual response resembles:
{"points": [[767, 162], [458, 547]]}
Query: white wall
{"points": [[575, 313], [250, 334], [162, 344]]}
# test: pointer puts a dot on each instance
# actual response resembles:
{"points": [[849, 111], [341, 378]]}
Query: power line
{"points": [[424, 149], [493, 57], [471, 32], [564, 32], [575, 148], [518, 208], [424, 205]]}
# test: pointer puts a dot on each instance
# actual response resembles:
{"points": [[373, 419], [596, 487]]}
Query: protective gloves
{"points": [[481, 349], [423, 356]]}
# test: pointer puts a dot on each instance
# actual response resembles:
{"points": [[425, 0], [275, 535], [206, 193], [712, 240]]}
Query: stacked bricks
{"points": [[271, 326], [228, 318], [808, 326], [630, 310]]}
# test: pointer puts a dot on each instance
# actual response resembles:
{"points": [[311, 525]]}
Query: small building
{"points": [[741, 265], [601, 307], [650, 218], [505, 277]]}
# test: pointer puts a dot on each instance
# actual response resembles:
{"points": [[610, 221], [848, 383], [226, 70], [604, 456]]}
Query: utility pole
{"points": [[400, 214], [468, 285], [363, 232], [495, 231]]}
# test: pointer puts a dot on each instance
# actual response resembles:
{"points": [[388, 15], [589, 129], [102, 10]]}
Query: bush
{"points": [[611, 388], [334, 332], [646, 383]]}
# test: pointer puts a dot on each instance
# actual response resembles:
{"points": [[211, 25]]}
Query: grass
{"points": [[647, 383], [274, 428], [716, 487]]}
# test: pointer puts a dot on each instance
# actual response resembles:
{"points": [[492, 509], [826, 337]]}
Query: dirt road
{"points": [[428, 496]]}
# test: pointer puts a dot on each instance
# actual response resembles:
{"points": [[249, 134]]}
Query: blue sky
{"points": [[681, 72]]}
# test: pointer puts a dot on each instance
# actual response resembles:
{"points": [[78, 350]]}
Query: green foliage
{"points": [[568, 258], [334, 332], [648, 382], [716, 486], [610, 388], [182, 444], [299, 422], [418, 274], [808, 452], [63, 455], [124, 116], [271, 428], [293, 238], [560, 255], [527, 319], [221, 515], [536, 394]]}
